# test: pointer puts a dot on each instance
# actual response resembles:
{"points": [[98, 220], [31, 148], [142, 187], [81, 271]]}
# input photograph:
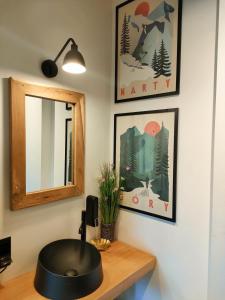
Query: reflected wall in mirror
{"points": [[49, 143], [47, 138]]}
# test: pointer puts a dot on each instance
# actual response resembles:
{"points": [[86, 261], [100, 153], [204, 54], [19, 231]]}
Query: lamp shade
{"points": [[74, 62]]}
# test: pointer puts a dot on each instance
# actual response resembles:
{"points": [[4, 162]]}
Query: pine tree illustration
{"points": [[131, 155], [160, 184], [133, 161], [163, 62], [158, 151], [165, 164], [155, 62], [125, 38]]}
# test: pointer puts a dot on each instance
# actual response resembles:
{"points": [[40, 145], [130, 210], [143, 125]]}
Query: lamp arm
{"points": [[63, 48]]}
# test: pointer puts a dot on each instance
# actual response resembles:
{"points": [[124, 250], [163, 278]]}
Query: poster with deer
{"points": [[145, 156], [147, 62]]}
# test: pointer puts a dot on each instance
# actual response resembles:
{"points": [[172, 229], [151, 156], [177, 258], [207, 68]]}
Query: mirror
{"points": [[49, 133], [47, 144]]}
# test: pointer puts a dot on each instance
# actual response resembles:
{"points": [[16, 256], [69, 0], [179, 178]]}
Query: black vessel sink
{"points": [[68, 269]]}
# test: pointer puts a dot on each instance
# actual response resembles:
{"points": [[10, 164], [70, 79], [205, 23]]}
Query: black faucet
{"points": [[89, 216], [82, 229]]}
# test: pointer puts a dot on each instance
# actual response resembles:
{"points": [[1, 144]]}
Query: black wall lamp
{"points": [[73, 61]]}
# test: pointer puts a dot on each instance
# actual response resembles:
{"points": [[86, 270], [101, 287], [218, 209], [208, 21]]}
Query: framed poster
{"points": [[68, 177], [145, 157], [148, 38]]}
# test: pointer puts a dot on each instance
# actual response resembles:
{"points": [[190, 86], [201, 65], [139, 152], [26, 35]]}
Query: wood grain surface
{"points": [[123, 265]]}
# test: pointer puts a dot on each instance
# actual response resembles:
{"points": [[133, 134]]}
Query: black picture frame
{"points": [[69, 106], [171, 216], [68, 173], [176, 82]]}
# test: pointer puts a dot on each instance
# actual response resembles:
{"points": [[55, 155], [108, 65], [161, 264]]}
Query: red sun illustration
{"points": [[142, 9], [152, 128]]}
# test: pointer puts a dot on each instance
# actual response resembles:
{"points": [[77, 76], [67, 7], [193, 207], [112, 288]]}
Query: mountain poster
{"points": [[147, 49], [145, 159]]}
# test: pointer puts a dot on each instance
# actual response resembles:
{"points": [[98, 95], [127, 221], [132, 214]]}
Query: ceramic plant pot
{"points": [[108, 231]]}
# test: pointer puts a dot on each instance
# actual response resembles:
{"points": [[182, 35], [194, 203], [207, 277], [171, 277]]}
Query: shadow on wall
{"points": [[29, 55], [27, 61], [141, 290]]}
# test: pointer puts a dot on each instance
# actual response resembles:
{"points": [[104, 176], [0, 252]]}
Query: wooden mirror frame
{"points": [[19, 197]]}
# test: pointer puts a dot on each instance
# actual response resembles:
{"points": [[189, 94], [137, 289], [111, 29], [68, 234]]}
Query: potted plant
{"points": [[109, 190]]}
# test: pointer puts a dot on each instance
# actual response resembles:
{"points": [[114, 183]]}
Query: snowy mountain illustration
{"points": [[146, 34], [163, 10]]}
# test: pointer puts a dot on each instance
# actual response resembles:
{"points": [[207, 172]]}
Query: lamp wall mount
{"points": [[73, 57]]}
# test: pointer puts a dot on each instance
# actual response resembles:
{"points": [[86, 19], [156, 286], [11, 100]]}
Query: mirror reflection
{"points": [[49, 143]]}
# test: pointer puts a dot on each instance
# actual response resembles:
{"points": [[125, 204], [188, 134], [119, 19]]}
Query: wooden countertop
{"points": [[122, 265]]}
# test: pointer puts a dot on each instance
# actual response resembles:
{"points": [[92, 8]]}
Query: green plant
{"points": [[109, 189]]}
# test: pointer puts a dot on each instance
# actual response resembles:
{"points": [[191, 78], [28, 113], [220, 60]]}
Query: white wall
{"points": [[217, 234], [47, 144], [182, 249], [31, 31]]}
